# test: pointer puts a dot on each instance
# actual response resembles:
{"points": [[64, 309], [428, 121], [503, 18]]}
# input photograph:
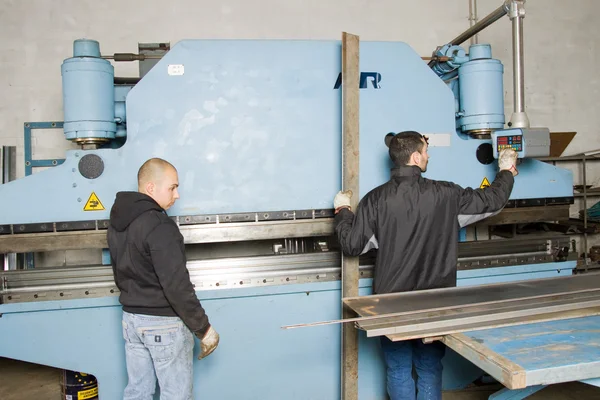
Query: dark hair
{"points": [[403, 144]]}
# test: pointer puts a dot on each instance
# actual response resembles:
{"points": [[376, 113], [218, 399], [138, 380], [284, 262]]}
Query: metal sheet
{"points": [[435, 299], [449, 315], [419, 328], [504, 322], [442, 311]]}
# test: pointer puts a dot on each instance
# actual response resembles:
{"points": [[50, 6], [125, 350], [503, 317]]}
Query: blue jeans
{"points": [[427, 359], [157, 347]]}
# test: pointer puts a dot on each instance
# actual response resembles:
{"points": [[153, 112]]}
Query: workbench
{"points": [[527, 358]]}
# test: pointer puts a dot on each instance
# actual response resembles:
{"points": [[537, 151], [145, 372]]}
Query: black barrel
{"points": [[79, 386]]}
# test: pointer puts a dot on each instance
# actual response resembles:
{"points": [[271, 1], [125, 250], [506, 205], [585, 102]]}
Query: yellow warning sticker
{"points": [[484, 183], [88, 394], [93, 203]]}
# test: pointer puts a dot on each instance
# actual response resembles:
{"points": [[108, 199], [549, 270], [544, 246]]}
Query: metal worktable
{"points": [[526, 358]]}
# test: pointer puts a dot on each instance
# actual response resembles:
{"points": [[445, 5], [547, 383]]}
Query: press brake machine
{"points": [[254, 130]]}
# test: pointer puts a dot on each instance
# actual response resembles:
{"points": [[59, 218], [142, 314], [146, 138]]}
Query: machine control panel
{"points": [[527, 142], [510, 142]]}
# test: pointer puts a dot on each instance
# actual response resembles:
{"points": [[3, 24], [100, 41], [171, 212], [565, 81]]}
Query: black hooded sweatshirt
{"points": [[149, 262]]}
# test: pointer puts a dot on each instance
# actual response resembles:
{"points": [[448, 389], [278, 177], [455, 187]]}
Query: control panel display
{"points": [[509, 142]]}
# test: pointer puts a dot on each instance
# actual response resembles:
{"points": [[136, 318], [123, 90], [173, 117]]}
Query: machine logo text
{"points": [[374, 78]]}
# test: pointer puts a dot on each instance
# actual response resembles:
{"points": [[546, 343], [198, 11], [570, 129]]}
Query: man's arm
{"points": [[356, 233], [168, 257], [477, 204]]}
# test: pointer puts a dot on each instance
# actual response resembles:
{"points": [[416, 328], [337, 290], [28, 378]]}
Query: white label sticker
{"points": [[175, 69], [438, 139]]}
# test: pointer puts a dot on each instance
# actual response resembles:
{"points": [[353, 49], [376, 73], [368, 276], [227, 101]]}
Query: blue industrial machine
{"points": [[254, 129]]}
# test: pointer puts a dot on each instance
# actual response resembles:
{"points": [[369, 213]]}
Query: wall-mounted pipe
{"points": [[120, 57], [476, 28], [481, 25], [473, 20], [516, 13]]}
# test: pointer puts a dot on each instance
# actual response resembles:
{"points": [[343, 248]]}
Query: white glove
{"points": [[342, 199], [507, 161], [208, 343]]}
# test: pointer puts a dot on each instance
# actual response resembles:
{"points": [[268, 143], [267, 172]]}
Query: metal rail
{"points": [[254, 271], [193, 233], [230, 273]]}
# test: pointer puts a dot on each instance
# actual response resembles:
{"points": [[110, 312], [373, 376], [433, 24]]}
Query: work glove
{"points": [[208, 343], [342, 199], [507, 161]]}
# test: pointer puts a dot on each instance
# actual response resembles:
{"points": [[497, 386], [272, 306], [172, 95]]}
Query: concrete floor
{"points": [[21, 380]]}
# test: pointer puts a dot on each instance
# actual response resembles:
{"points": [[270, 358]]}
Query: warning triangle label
{"points": [[484, 183], [93, 203]]}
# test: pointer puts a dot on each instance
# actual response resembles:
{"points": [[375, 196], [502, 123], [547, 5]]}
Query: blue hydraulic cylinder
{"points": [[457, 58], [481, 91], [88, 94], [121, 92]]}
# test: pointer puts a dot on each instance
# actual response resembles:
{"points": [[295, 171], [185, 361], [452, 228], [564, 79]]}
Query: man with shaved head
{"points": [[161, 312]]}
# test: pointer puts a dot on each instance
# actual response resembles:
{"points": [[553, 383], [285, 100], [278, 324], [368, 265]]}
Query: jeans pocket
{"points": [[125, 335], [161, 341]]}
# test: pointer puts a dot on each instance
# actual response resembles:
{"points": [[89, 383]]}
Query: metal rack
{"points": [[583, 158]]}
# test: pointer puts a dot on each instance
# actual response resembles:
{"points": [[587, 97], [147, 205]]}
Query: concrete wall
{"points": [[561, 40]]}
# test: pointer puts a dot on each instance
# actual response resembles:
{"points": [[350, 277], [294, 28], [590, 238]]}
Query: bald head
{"points": [[151, 171], [158, 179]]}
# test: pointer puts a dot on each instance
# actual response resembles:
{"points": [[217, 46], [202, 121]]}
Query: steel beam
{"points": [[209, 233]]}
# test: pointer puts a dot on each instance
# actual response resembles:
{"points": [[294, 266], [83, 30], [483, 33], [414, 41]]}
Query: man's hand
{"points": [[208, 343], [342, 200], [507, 161]]}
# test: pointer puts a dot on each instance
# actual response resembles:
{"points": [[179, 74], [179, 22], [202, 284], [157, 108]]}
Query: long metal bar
{"points": [[529, 214], [215, 233], [496, 256], [350, 173], [9, 166], [482, 24], [473, 19], [585, 218], [7, 163], [518, 71], [199, 233], [22, 238], [516, 13]]}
